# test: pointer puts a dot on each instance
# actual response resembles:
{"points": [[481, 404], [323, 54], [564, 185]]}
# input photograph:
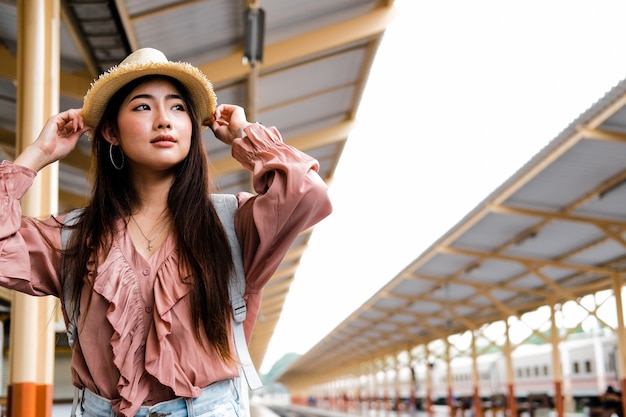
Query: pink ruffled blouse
{"points": [[136, 344]]}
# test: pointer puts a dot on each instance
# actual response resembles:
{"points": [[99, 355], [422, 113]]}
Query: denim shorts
{"points": [[220, 399]]}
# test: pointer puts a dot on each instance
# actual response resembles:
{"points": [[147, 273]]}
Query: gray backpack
{"points": [[226, 207]]}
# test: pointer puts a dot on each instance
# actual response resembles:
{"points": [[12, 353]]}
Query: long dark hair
{"points": [[201, 241]]}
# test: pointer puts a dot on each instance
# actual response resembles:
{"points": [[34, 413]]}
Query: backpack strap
{"points": [[226, 206]]}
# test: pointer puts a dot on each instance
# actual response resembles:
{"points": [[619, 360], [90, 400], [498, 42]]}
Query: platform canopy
{"points": [[308, 80], [555, 231]]}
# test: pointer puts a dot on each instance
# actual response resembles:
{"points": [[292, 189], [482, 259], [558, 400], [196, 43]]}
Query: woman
{"points": [[152, 257]]}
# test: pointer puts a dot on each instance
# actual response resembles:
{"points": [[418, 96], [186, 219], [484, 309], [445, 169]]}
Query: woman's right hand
{"points": [[56, 140]]}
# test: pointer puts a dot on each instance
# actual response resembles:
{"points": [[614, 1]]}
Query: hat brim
{"points": [[101, 91]]}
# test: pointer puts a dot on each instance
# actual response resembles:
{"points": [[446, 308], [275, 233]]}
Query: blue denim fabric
{"points": [[217, 400]]}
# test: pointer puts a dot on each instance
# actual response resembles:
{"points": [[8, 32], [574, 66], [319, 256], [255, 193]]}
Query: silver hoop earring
{"points": [[116, 166]]}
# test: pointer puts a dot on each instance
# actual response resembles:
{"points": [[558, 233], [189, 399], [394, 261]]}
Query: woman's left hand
{"points": [[227, 122]]}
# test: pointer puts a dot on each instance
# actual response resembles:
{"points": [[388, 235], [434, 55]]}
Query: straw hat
{"points": [[147, 61]]}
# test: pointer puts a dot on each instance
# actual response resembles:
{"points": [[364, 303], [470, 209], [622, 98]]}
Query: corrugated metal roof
{"points": [[554, 232]]}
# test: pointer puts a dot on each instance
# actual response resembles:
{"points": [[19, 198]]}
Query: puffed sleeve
{"points": [[27, 261], [290, 198]]}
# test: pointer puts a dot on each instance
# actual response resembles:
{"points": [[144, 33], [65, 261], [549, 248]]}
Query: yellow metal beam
{"points": [[71, 85], [365, 27]]}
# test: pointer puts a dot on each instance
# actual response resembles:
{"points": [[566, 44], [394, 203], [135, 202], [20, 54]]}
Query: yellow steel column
{"points": [[478, 404], [397, 366], [620, 332], [429, 382], [450, 396], [510, 372], [49, 204], [32, 335], [371, 386], [556, 362], [413, 383]]}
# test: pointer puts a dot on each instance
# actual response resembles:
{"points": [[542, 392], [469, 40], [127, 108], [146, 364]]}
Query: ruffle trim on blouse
{"points": [[116, 282], [134, 351], [162, 358]]}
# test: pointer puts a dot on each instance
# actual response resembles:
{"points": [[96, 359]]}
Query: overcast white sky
{"points": [[461, 95]]}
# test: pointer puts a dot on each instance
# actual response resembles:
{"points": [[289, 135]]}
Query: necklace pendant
{"points": [[150, 246]]}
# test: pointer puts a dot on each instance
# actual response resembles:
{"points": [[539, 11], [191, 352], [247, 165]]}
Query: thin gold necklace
{"points": [[150, 246]]}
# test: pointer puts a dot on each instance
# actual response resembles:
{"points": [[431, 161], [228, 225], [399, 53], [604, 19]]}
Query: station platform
{"points": [[263, 410], [293, 410]]}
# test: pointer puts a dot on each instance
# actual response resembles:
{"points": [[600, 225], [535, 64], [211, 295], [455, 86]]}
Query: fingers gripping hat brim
{"points": [[148, 61]]}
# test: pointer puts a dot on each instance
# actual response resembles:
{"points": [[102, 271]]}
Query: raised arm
{"points": [[57, 139]]}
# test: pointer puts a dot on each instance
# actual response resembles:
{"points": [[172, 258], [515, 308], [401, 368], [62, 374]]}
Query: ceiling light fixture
{"points": [[254, 29]]}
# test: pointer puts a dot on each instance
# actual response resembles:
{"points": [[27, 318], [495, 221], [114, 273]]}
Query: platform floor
{"points": [[262, 410], [438, 411]]}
